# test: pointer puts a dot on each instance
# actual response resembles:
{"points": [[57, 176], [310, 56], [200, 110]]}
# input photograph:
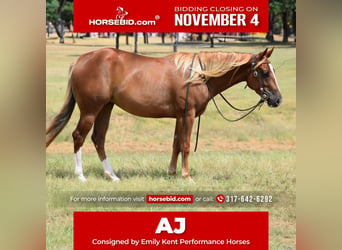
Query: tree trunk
{"points": [[136, 43], [127, 40], [145, 37], [163, 38], [269, 35], [294, 23], [59, 13], [200, 37], [55, 25], [175, 44], [285, 17], [117, 40], [61, 7]]}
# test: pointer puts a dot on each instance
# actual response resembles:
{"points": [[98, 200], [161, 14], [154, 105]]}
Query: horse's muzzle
{"points": [[274, 100]]}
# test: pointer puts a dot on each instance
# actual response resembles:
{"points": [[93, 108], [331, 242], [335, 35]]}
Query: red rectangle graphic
{"points": [[171, 230]]}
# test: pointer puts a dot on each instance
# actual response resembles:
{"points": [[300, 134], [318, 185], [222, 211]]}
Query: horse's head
{"points": [[262, 79]]}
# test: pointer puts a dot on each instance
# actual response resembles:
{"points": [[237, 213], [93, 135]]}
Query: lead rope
{"points": [[186, 108], [250, 109]]}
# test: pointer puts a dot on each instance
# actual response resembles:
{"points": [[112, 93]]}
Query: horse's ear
{"points": [[263, 53], [269, 53]]}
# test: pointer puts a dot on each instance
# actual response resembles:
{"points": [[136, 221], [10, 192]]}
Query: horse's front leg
{"points": [[175, 151], [185, 141]]}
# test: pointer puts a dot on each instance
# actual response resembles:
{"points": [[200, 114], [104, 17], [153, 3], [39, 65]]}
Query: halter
{"points": [[264, 97], [253, 69], [250, 109]]}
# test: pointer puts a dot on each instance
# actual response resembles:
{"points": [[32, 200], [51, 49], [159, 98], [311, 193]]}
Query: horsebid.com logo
{"points": [[120, 19]]}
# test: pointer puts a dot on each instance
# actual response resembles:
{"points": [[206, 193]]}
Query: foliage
{"points": [[282, 15], [51, 10], [68, 12], [57, 10]]}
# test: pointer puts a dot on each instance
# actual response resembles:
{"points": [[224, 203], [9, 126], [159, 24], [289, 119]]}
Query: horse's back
{"points": [[141, 85]]}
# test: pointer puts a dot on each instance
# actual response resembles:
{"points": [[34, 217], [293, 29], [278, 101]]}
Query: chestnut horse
{"points": [[176, 86]]}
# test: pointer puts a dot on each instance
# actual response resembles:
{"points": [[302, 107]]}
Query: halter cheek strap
{"points": [[253, 69]]}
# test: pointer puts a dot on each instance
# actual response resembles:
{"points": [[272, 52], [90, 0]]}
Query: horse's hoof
{"points": [[191, 180], [113, 178], [81, 178], [173, 174], [116, 179]]}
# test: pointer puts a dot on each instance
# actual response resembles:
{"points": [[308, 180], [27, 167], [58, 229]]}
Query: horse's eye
{"points": [[265, 74]]}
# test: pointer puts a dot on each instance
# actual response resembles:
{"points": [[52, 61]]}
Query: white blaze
{"points": [[275, 78]]}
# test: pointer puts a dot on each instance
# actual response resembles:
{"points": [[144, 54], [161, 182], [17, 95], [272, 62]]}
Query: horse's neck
{"points": [[219, 84]]}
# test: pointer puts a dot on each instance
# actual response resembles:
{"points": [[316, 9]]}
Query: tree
{"points": [[282, 13], [51, 10], [274, 7], [58, 10], [288, 7], [67, 13]]}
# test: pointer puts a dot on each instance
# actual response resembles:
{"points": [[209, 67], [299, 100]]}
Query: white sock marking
{"points": [[78, 166], [109, 170]]}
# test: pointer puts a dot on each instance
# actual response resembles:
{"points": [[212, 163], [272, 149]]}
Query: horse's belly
{"points": [[147, 93], [146, 105], [148, 110]]}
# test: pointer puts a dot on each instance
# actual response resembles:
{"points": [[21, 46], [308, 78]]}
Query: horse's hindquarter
{"points": [[91, 78], [145, 86]]}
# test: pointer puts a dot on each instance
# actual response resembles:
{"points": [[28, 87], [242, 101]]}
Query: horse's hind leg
{"points": [[98, 137], [84, 125]]}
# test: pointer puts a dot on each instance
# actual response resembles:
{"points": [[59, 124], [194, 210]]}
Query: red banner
{"points": [[171, 16], [171, 230]]}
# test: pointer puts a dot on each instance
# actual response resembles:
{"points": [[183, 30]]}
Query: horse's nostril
{"points": [[274, 102], [278, 101]]}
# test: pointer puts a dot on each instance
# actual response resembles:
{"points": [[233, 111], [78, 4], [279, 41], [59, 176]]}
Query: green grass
{"points": [[212, 171], [255, 154]]}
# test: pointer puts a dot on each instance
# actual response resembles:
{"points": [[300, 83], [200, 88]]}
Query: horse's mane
{"points": [[215, 64]]}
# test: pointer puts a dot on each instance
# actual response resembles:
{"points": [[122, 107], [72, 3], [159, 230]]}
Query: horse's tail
{"points": [[59, 122]]}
